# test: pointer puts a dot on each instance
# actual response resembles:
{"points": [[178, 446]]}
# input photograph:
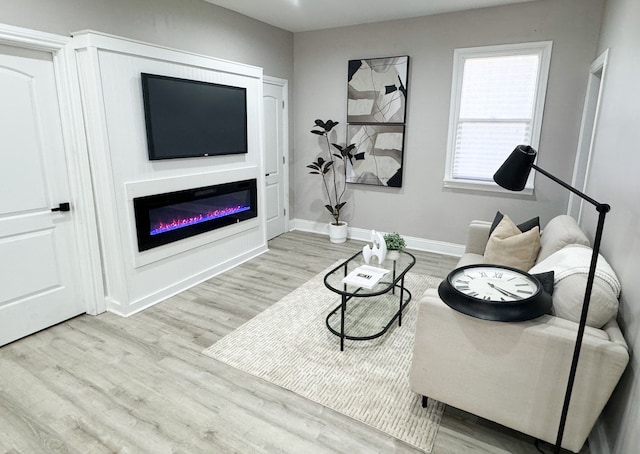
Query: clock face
{"points": [[494, 283]]}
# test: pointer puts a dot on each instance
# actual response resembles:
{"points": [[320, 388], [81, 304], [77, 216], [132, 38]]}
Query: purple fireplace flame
{"points": [[179, 221]]}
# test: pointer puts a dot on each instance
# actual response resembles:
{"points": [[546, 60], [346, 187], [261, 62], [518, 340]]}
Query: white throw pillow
{"points": [[571, 266], [509, 246]]}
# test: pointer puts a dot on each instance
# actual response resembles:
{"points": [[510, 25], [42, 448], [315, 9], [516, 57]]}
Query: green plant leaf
{"points": [[315, 131], [394, 241], [330, 208]]}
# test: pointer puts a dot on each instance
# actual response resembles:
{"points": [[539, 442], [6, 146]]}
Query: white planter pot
{"points": [[338, 233], [393, 254]]}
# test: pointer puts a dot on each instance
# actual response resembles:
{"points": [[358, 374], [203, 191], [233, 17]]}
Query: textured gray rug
{"points": [[289, 344]]}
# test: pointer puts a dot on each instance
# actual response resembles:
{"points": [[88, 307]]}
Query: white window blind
{"points": [[497, 104]]}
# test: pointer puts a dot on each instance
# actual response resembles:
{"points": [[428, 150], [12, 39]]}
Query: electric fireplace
{"points": [[173, 216]]}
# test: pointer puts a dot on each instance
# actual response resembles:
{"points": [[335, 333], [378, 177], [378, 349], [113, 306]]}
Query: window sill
{"points": [[472, 185]]}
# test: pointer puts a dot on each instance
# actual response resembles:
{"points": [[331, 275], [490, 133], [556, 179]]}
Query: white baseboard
{"points": [[598, 443], [355, 233]]}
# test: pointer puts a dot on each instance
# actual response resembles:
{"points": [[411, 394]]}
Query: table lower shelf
{"points": [[364, 315]]}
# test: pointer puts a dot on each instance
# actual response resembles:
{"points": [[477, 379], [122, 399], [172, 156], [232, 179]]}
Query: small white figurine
{"points": [[377, 249]]}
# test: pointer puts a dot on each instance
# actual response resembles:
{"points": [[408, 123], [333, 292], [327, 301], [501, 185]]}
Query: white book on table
{"points": [[365, 276]]}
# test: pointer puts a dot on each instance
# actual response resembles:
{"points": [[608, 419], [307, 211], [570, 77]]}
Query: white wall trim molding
{"points": [[96, 39], [73, 128], [31, 39], [178, 183], [89, 265], [355, 233]]}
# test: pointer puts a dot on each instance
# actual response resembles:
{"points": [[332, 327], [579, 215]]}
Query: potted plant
{"points": [[395, 243], [333, 170]]}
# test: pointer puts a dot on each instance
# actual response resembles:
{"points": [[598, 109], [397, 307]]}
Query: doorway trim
{"points": [[588, 131], [89, 277]]}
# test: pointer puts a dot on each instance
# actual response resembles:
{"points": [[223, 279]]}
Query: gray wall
{"points": [[422, 207], [614, 180], [192, 25]]}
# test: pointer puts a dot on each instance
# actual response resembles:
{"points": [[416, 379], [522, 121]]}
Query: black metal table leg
{"points": [[393, 290], [342, 311], [401, 299]]}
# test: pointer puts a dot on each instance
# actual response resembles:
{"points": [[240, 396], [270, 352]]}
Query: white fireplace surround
{"points": [[153, 187], [109, 77]]}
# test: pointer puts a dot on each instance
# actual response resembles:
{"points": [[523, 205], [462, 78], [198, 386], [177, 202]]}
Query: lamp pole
{"points": [[512, 175], [602, 209]]}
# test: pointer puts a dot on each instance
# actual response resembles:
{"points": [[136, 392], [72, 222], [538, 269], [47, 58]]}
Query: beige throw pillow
{"points": [[508, 246]]}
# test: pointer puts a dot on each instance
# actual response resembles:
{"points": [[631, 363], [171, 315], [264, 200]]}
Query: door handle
{"points": [[64, 206], [267, 174]]}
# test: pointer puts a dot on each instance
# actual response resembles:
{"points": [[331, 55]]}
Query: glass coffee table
{"points": [[369, 308]]}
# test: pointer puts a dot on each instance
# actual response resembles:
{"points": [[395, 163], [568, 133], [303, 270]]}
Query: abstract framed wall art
{"points": [[378, 156], [377, 90]]}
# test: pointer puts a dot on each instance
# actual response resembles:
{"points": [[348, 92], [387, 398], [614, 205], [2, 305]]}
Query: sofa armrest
{"points": [[613, 331], [477, 237], [514, 373]]}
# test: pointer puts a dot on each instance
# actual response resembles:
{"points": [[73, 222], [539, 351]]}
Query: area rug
{"points": [[289, 345]]}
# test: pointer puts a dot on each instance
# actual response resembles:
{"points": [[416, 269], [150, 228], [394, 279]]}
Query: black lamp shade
{"points": [[513, 172]]}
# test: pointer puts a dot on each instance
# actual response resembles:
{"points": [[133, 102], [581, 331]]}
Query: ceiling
{"points": [[307, 15]]}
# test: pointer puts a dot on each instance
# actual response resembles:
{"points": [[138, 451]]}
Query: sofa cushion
{"points": [[571, 266], [470, 258], [509, 246], [558, 233]]}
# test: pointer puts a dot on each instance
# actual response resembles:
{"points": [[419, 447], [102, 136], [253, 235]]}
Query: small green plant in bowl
{"points": [[394, 241]]}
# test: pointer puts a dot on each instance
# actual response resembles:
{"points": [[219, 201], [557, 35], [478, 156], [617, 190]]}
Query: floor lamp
{"points": [[512, 175]]}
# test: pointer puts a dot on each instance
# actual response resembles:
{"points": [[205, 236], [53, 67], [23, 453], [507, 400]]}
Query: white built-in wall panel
{"points": [[109, 69]]}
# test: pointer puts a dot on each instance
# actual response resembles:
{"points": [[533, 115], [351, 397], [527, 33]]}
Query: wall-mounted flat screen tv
{"points": [[189, 118]]}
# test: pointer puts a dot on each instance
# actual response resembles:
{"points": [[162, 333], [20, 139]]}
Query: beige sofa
{"points": [[515, 373]]}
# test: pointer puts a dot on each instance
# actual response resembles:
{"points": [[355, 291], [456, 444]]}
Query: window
{"points": [[497, 100]]}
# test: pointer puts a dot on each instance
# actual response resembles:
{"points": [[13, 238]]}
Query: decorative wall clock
{"points": [[495, 292]]}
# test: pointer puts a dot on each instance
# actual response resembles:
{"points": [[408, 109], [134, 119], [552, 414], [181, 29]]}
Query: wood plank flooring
{"points": [[106, 384]]}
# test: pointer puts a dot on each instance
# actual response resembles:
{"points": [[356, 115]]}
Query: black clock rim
{"points": [[526, 309]]}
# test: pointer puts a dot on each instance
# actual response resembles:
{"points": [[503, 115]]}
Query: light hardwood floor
{"points": [[106, 384]]}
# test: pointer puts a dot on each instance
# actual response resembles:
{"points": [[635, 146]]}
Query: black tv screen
{"points": [[189, 118]]}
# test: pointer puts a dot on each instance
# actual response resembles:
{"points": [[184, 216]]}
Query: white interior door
{"points": [[38, 284], [275, 137]]}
